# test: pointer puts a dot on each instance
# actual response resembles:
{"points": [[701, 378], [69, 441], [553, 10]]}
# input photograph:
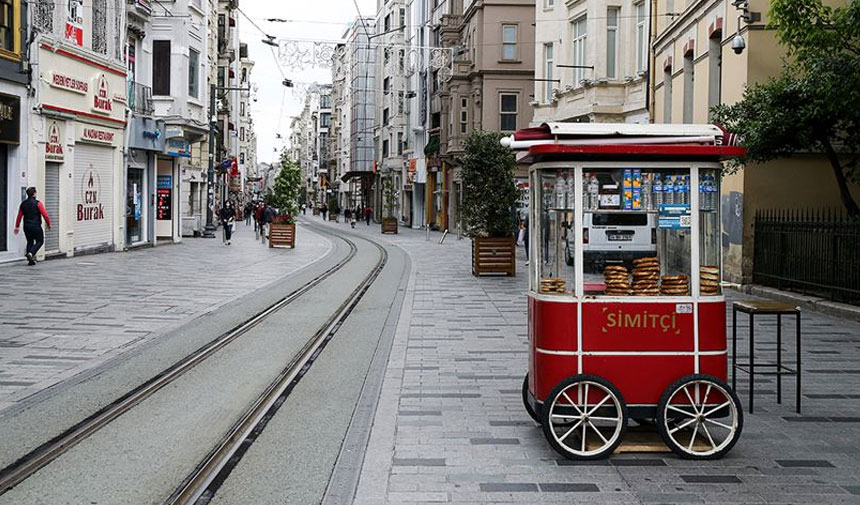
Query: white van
{"points": [[616, 238]]}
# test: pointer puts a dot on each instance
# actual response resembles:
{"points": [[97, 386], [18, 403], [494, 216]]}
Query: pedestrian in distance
{"points": [[352, 218], [268, 216], [347, 215], [258, 217], [368, 213], [32, 211], [304, 209], [324, 211], [526, 237], [249, 211], [228, 218]]}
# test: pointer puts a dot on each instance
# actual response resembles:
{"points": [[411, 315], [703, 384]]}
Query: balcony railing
{"points": [[140, 98]]}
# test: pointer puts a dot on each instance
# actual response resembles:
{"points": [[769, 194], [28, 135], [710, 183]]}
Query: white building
{"points": [[247, 138], [77, 122], [591, 61]]}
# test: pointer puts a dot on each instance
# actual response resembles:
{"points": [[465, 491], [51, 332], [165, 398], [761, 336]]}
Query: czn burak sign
{"points": [[91, 193]]}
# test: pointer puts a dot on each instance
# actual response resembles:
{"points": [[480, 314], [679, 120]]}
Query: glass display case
{"points": [[625, 229]]}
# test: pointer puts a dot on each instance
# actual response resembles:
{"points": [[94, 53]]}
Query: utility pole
{"points": [[209, 231]]}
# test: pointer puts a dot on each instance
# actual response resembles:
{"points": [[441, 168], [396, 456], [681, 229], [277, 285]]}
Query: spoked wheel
{"points": [[534, 415], [700, 417], [584, 417]]}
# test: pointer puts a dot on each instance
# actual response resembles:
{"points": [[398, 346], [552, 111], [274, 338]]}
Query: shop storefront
{"points": [[145, 141], [77, 157], [168, 202], [10, 138]]}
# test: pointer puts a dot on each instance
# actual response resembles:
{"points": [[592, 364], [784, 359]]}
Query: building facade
{"points": [[695, 69], [591, 61], [15, 172]]}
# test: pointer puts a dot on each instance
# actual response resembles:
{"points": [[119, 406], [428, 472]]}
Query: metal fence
{"points": [[140, 98], [812, 251]]}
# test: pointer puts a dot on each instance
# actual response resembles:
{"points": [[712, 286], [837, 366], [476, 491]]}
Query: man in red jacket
{"points": [[32, 212]]}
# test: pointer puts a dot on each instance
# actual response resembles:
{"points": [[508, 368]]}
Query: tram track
{"points": [[199, 487], [30, 463]]}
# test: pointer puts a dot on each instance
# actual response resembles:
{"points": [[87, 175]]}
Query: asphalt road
{"points": [[144, 455]]}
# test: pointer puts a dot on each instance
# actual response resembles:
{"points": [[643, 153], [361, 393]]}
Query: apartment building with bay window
{"points": [[591, 61], [487, 87]]}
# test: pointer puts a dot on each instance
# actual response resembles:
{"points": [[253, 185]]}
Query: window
{"points": [[242, 158], [464, 115], [641, 41], [580, 38], [508, 112], [194, 74], [509, 42], [386, 84], [667, 95], [161, 67], [387, 24], [400, 145], [689, 79], [10, 33], [611, 42], [325, 120], [402, 17], [242, 133], [241, 108], [385, 117], [547, 54], [385, 148], [222, 76], [244, 75], [548, 4], [715, 64]]}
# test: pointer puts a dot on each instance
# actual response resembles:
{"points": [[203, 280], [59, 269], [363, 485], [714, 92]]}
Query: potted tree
{"points": [[285, 196], [389, 204], [333, 209], [489, 199]]}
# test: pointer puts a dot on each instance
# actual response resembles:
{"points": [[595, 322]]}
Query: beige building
{"points": [[696, 68], [488, 87], [591, 61]]}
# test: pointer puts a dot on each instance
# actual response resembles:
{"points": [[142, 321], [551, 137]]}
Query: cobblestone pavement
{"points": [[70, 315], [450, 425]]}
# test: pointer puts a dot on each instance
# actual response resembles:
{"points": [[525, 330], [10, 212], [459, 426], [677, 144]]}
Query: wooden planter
{"points": [[494, 255], [316, 211], [332, 217], [389, 225], [282, 235]]}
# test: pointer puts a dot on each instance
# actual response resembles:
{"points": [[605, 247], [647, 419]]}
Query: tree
{"points": [[489, 191], [389, 197], [812, 105], [287, 188]]}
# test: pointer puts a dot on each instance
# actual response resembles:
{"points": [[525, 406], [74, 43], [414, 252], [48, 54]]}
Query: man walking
{"points": [[268, 216], [368, 213], [228, 216], [32, 212]]}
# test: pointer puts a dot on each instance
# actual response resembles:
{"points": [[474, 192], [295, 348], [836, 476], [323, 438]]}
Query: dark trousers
{"points": [[35, 238], [228, 231]]}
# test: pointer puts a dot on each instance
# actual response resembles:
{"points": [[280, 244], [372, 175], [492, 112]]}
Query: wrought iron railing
{"points": [[812, 251], [140, 98]]}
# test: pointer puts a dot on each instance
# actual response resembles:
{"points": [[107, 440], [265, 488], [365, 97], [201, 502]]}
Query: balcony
{"points": [[140, 98], [140, 8]]}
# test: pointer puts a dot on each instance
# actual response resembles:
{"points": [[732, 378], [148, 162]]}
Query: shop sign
{"points": [[75, 22], [101, 99], [674, 216], [164, 194], [145, 133], [177, 147], [97, 135], [54, 150], [412, 168], [69, 83], [91, 193], [10, 119]]}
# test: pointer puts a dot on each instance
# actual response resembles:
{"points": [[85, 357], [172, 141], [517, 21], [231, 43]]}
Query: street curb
{"points": [[805, 302]]}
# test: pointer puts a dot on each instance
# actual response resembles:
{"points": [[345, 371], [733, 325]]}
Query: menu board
{"points": [[164, 204]]}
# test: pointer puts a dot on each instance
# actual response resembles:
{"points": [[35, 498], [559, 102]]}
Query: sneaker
{"points": [[30, 257], [31, 263]]}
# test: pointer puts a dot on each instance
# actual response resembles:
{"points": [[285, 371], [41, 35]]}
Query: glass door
{"points": [[134, 206]]}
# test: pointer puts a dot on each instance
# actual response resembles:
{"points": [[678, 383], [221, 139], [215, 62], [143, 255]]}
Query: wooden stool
{"points": [[764, 309]]}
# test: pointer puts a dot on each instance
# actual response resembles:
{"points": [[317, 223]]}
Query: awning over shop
{"points": [[356, 173]]}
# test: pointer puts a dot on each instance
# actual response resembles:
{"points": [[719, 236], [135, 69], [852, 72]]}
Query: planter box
{"points": [[316, 211], [389, 225], [282, 235], [332, 217], [494, 255]]}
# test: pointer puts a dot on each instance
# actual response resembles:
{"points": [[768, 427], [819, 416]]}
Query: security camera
{"points": [[738, 44]]}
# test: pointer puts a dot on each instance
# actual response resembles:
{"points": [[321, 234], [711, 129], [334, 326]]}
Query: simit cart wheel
{"points": [[584, 417], [700, 417], [534, 415]]}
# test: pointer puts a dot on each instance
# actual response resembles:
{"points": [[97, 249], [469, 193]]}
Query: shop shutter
{"points": [[94, 219], [52, 205]]}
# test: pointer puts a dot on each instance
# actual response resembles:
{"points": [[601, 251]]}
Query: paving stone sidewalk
{"points": [[450, 426], [69, 315]]}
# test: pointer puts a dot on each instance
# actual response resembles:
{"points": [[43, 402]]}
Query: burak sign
{"points": [[91, 193]]}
